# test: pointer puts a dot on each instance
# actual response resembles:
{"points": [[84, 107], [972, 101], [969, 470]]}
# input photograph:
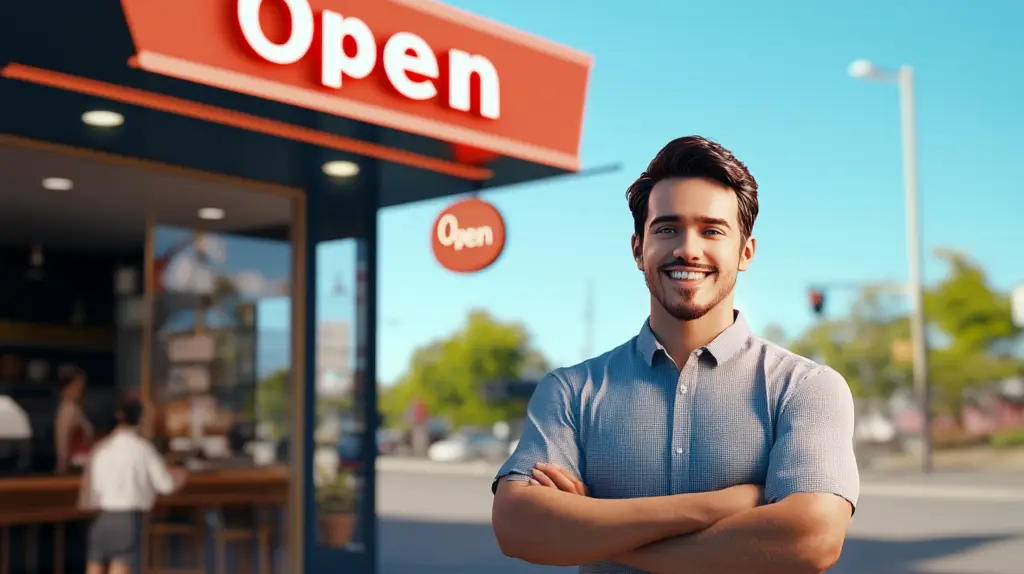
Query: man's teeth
{"points": [[687, 275]]}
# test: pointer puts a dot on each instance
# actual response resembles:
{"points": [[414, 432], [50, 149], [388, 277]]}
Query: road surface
{"points": [[439, 523]]}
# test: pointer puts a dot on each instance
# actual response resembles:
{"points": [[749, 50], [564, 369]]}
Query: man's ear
{"points": [[638, 252], [747, 253]]}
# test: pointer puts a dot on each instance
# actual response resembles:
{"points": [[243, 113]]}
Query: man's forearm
{"points": [[545, 526], [789, 537]]}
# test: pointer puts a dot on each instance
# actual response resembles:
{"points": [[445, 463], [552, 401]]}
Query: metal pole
{"points": [[915, 287]]}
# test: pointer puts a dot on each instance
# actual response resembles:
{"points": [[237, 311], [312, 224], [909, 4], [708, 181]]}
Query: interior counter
{"points": [[48, 499]]}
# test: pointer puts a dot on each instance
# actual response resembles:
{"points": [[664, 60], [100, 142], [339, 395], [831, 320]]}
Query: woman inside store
{"points": [[73, 433]]}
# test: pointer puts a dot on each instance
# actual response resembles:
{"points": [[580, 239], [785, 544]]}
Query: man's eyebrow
{"points": [[713, 221], [702, 219], [665, 219]]}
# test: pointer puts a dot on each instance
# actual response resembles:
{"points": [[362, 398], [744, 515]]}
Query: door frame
{"points": [[323, 559]]}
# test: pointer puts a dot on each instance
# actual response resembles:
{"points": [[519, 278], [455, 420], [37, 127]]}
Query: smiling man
{"points": [[696, 446]]}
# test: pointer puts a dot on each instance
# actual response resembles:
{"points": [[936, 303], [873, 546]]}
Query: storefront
{"points": [[174, 173]]}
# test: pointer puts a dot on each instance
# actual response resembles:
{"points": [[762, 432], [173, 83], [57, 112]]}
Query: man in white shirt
{"points": [[124, 477]]}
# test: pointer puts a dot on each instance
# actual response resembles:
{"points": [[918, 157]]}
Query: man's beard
{"points": [[680, 304]]}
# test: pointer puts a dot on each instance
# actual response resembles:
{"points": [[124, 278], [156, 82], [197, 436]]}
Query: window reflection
{"points": [[339, 432], [221, 347]]}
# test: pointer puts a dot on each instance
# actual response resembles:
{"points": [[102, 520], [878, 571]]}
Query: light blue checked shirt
{"points": [[742, 411]]}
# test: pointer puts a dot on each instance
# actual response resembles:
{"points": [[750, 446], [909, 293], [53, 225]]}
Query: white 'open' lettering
{"points": [[404, 53], [450, 234]]}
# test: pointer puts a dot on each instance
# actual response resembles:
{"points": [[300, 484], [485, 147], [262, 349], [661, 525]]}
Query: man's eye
{"points": [[713, 232], [664, 230]]}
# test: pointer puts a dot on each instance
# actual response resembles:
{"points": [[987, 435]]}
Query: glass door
{"points": [[344, 434]]}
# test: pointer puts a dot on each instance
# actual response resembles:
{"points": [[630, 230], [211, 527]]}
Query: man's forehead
{"points": [[692, 198]]}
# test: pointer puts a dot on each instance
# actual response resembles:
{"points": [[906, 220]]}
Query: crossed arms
{"points": [[722, 531], [550, 520]]}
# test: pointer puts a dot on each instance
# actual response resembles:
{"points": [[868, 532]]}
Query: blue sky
{"points": [[767, 80]]}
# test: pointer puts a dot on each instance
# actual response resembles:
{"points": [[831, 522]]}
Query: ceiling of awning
{"points": [[109, 205]]}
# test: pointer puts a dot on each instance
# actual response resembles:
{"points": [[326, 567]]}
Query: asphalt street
{"points": [[438, 522]]}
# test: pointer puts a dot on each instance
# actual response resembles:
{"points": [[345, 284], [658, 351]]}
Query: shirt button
{"points": [[682, 389], [679, 451]]}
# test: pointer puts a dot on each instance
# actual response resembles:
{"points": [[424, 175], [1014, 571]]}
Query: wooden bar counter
{"points": [[49, 499], [51, 502]]}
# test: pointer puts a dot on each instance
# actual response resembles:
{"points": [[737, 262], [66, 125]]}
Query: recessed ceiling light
{"points": [[103, 118], [57, 183], [211, 213], [339, 168]]}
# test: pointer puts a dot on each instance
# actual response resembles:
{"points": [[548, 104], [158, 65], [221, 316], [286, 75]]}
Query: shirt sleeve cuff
{"points": [[512, 475]]}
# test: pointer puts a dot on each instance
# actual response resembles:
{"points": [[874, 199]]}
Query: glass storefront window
{"points": [[221, 352]]}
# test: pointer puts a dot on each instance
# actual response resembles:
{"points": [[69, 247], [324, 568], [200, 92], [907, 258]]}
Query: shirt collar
{"points": [[722, 348]]}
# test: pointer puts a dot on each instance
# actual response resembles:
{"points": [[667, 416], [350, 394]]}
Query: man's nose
{"points": [[689, 248]]}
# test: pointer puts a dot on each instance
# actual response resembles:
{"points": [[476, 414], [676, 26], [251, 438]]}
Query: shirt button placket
{"points": [[683, 425]]}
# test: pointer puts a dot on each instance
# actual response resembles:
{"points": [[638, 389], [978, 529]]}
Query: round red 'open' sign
{"points": [[468, 236]]}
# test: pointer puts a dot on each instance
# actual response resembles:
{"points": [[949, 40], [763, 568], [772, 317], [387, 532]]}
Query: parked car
{"points": [[461, 447]]}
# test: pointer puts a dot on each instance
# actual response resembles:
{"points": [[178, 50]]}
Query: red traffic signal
{"points": [[817, 301]]}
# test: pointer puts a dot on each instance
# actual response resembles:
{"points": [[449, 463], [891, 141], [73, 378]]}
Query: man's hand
{"points": [[554, 476], [179, 476]]}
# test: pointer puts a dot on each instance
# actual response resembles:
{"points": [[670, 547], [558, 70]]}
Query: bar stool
{"points": [[249, 528], [158, 534]]}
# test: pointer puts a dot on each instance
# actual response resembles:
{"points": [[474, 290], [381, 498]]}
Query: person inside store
{"points": [[73, 433], [123, 477], [15, 437]]}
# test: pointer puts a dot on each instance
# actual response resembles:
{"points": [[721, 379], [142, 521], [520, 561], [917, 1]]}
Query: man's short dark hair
{"points": [[695, 156], [130, 412]]}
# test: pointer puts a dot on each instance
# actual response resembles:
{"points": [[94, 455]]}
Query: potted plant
{"points": [[336, 509]]}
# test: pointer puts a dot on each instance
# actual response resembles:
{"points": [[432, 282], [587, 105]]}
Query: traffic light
{"points": [[817, 301]]}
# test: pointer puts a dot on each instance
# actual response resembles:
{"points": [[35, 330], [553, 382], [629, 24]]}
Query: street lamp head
{"points": [[863, 70]]}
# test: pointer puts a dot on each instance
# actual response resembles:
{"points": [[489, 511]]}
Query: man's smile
{"points": [[687, 277]]}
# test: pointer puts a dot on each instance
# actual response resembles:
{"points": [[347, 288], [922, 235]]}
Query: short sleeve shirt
{"points": [[741, 411]]}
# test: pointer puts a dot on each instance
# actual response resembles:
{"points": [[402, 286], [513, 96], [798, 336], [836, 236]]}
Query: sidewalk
{"points": [[972, 459], [959, 475]]}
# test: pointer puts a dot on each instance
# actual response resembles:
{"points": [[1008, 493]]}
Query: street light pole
{"points": [[862, 69], [918, 334]]}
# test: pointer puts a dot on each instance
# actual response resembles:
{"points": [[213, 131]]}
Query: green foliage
{"points": [[449, 375], [973, 318], [860, 346], [965, 308], [337, 496], [273, 399], [272, 403], [1008, 438], [967, 319]]}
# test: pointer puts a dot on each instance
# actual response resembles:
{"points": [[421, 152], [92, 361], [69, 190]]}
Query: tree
{"points": [[273, 400], [968, 322], [973, 320], [272, 403], [449, 375]]}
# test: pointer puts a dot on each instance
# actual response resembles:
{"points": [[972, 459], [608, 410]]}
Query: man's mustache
{"points": [[681, 263]]}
